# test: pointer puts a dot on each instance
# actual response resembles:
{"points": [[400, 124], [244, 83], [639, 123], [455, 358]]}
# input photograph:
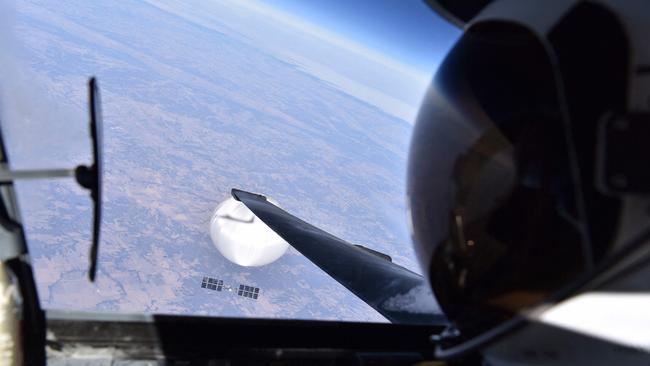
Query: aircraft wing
{"points": [[395, 292]]}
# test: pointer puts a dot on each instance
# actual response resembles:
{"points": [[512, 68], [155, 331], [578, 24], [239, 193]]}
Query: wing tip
{"points": [[238, 194]]}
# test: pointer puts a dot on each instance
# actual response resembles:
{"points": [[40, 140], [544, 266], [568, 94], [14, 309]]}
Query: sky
{"points": [[386, 59], [406, 30]]}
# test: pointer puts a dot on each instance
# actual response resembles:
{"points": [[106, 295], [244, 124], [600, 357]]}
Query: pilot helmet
{"points": [[528, 166]]}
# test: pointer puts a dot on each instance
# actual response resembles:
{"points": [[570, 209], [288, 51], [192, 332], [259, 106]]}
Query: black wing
{"points": [[398, 294]]}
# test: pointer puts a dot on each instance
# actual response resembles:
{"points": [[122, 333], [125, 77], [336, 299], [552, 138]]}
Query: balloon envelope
{"points": [[243, 238]]}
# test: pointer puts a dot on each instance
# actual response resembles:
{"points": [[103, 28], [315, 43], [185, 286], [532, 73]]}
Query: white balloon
{"points": [[243, 238]]}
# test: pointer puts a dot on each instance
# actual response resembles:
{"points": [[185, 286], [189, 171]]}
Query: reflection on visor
{"points": [[500, 181]]}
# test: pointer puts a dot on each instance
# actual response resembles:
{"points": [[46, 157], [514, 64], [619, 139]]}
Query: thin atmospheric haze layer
{"points": [[199, 98]]}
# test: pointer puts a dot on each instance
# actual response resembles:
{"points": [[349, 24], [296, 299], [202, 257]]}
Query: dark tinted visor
{"points": [[490, 187]]}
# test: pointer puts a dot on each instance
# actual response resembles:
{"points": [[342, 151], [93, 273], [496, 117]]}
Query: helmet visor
{"points": [[492, 201]]}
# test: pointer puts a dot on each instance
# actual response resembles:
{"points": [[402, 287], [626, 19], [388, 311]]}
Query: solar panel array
{"points": [[218, 285], [248, 291], [212, 283]]}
